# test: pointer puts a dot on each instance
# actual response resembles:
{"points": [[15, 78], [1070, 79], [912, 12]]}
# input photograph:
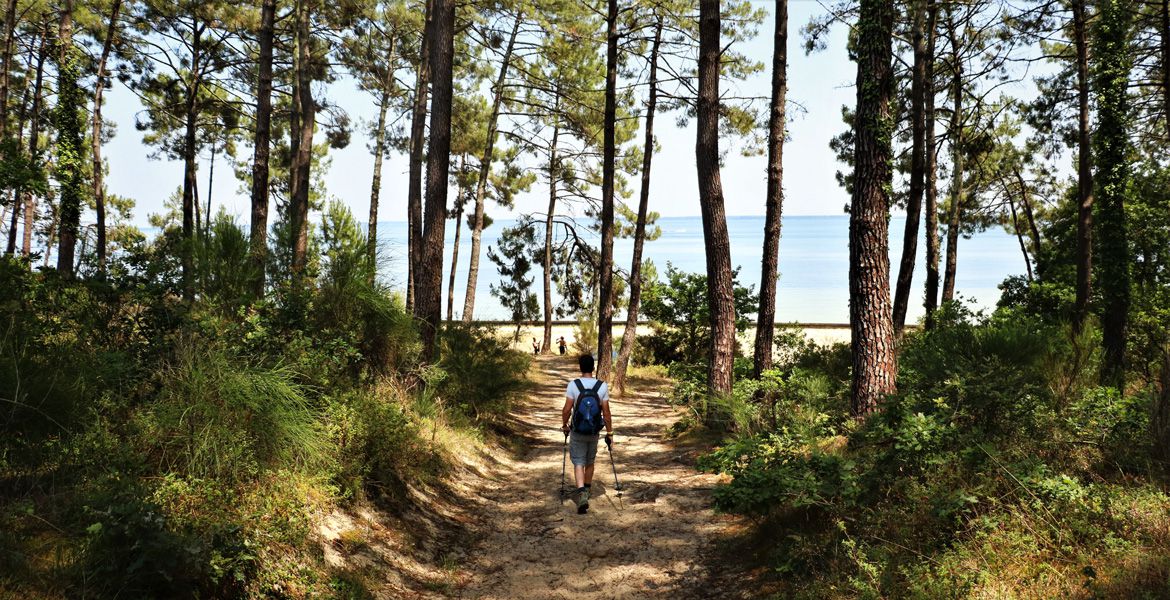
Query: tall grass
{"points": [[216, 415]]}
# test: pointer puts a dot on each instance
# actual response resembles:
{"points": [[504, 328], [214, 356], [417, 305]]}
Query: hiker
{"points": [[585, 414], [561, 344], [535, 347]]}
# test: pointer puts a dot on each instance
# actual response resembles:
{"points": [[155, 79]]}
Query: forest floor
{"points": [[510, 535]]}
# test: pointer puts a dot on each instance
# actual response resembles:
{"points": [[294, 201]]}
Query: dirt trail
{"points": [[658, 541]]}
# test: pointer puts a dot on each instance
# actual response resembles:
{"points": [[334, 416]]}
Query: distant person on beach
{"points": [[561, 344], [585, 414], [535, 347]]}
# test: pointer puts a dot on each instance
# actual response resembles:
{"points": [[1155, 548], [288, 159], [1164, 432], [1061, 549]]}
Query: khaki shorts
{"points": [[583, 449]]}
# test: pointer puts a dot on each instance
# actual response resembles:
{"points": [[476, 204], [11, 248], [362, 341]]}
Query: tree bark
{"points": [[455, 244], [6, 66], [553, 182], [930, 300], [955, 211], [376, 183], [303, 158], [1020, 237], [630, 333], [191, 117], [1165, 39], [870, 312], [30, 202], [99, 189], [414, 211], [720, 292], [1084, 170], [770, 264], [428, 286], [1026, 204], [13, 223], [14, 195], [210, 188], [1111, 152], [485, 168], [258, 235], [918, 91], [609, 150], [68, 214]]}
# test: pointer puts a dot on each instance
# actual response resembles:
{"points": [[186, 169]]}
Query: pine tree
{"points": [[720, 292], [870, 313], [1111, 152]]}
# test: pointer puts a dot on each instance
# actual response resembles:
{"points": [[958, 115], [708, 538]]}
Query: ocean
{"points": [[814, 263]]}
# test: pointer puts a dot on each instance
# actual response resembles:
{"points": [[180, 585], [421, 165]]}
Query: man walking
{"points": [[585, 414]]}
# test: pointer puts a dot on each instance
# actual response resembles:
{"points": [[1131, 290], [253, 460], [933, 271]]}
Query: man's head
{"points": [[586, 363]]}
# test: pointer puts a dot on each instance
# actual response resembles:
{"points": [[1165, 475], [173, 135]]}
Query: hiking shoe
{"points": [[583, 501]]}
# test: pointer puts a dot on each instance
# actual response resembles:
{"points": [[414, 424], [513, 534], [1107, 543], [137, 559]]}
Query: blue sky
{"points": [[819, 85]]}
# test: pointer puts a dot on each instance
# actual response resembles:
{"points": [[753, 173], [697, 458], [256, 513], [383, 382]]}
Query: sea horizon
{"points": [[813, 281]]}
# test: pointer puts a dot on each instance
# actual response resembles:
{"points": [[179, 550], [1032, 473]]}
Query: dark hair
{"points": [[586, 362]]}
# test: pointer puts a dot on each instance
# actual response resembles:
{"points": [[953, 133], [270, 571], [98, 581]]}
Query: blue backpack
{"points": [[587, 418]]}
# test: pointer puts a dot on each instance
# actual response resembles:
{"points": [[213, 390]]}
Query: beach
{"points": [[821, 333]]}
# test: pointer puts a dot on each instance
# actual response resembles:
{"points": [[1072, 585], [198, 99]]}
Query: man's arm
{"points": [[566, 412], [608, 419]]}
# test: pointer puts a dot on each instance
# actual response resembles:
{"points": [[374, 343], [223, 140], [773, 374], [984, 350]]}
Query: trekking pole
{"points": [[564, 459], [617, 485]]}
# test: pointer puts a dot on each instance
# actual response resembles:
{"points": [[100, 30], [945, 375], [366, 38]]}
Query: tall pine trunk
{"points": [[609, 158], [1020, 237], [1164, 38], [770, 264], [303, 156], [1111, 151], [428, 284], [376, 182], [6, 66], [720, 292], [485, 168], [30, 201], [918, 90], [455, 243], [191, 118], [955, 210], [553, 182], [99, 188], [68, 123], [1084, 170], [930, 295], [870, 312], [14, 195], [258, 235], [630, 333], [418, 125]]}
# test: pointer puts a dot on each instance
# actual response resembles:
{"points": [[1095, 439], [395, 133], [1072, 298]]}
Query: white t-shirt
{"points": [[573, 391]]}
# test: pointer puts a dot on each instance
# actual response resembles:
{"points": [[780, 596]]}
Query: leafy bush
{"points": [[482, 371], [990, 441], [378, 442], [680, 315]]}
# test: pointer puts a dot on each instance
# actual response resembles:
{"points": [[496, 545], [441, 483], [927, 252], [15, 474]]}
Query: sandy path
{"points": [[655, 543]]}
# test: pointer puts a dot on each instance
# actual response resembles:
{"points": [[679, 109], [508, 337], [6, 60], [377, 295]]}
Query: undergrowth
{"points": [[999, 469], [151, 447]]}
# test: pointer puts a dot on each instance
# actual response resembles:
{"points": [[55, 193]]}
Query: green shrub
{"points": [[482, 371], [132, 549], [992, 440], [378, 442]]}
